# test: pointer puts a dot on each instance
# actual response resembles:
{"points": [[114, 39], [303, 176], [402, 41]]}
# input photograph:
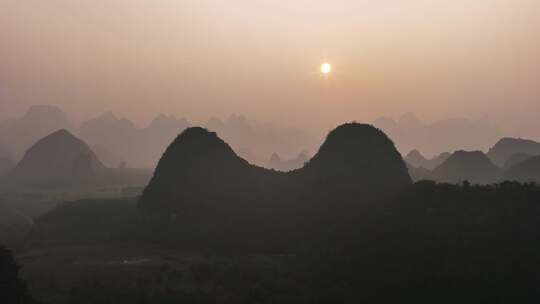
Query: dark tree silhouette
{"points": [[12, 289]]}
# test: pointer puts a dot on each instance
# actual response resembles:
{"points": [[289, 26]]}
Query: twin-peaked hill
{"points": [[215, 197], [199, 173]]}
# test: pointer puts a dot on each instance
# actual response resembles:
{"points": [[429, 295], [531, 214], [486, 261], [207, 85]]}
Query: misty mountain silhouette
{"points": [[118, 140], [57, 158], [419, 173], [472, 166], [527, 170], [515, 159], [409, 132], [508, 146], [261, 139], [201, 179], [276, 163], [62, 161], [19, 134], [417, 160]]}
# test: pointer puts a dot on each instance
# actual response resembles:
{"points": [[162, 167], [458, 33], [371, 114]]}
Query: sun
{"points": [[326, 68]]}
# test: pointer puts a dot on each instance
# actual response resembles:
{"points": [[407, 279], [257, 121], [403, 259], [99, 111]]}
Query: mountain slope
{"points": [[198, 171], [356, 158], [20, 133], [213, 196], [416, 159], [472, 166], [57, 158], [515, 159], [507, 146], [525, 171], [6, 163]]}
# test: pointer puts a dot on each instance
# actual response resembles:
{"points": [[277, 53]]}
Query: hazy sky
{"points": [[201, 58]]}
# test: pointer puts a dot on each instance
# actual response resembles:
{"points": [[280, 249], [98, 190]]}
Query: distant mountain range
{"points": [[120, 143], [500, 163], [409, 133], [277, 163], [477, 168], [515, 159], [60, 161], [527, 170], [472, 166], [417, 160], [17, 135], [258, 141], [506, 147]]}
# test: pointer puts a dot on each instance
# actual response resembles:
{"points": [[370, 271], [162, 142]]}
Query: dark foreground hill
{"points": [[202, 184], [349, 227], [6, 163], [339, 230], [472, 244], [12, 289], [473, 166]]}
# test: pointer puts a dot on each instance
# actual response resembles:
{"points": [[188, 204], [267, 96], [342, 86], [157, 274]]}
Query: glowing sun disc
{"points": [[326, 68]]}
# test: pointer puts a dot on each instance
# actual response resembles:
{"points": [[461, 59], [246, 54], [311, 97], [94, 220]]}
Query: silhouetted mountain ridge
{"points": [[527, 170], [201, 184], [56, 158], [508, 146], [199, 167], [515, 159], [409, 132], [359, 154], [472, 166], [417, 160], [276, 163], [40, 120]]}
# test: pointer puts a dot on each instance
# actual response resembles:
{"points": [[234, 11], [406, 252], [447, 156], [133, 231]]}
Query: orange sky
{"points": [[203, 58]]}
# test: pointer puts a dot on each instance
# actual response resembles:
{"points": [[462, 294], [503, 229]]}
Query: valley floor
{"points": [[132, 272]]}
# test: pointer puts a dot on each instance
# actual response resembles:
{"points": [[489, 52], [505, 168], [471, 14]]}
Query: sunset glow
{"points": [[326, 68]]}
